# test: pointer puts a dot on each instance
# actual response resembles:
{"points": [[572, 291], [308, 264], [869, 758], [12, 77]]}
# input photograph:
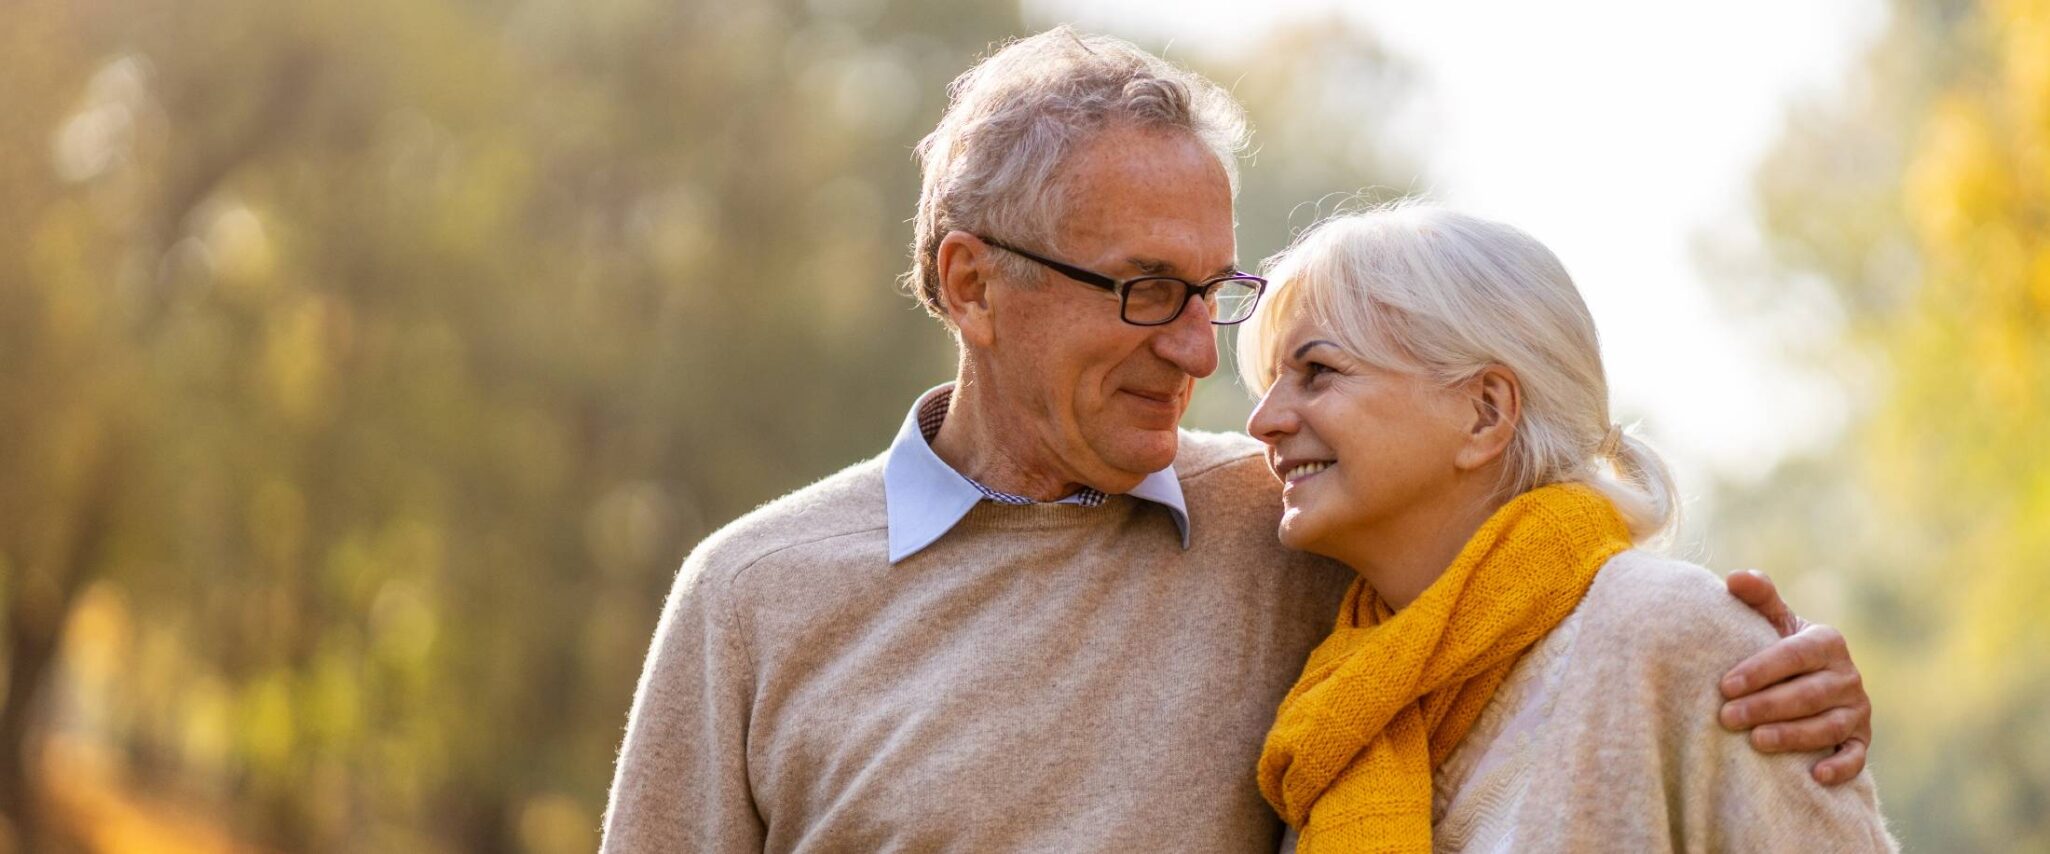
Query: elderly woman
{"points": [[1510, 671]]}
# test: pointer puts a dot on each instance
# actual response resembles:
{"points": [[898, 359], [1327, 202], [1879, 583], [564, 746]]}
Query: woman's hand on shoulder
{"points": [[1802, 693]]}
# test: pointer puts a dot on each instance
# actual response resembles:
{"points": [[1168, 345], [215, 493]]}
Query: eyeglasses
{"points": [[1158, 300]]}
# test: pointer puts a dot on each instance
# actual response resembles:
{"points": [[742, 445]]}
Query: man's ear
{"points": [[1493, 402], [965, 268]]}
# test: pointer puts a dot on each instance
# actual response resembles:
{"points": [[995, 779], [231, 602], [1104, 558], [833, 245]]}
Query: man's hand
{"points": [[1802, 693]]}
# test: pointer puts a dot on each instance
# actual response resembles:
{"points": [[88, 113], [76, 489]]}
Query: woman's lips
{"points": [[1304, 471], [1297, 477]]}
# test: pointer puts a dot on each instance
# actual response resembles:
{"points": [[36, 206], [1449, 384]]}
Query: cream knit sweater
{"points": [[1042, 678], [1604, 738]]}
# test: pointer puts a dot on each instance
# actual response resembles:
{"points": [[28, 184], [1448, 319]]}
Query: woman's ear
{"points": [[964, 269], [1494, 399]]}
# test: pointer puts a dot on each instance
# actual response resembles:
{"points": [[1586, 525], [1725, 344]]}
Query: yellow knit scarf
{"points": [[1385, 699]]}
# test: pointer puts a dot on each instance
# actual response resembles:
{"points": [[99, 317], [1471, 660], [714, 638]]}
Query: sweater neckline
{"points": [[991, 515]]}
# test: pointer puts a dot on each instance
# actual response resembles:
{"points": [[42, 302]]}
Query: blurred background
{"points": [[367, 368]]}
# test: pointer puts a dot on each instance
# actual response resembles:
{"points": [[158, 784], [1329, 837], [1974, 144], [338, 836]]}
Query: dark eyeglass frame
{"points": [[1123, 289]]}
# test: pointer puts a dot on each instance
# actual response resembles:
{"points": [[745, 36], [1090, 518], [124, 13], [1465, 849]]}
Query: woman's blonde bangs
{"points": [[1327, 278]]}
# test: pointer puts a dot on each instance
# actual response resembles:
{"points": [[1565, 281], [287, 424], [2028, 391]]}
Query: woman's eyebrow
{"points": [[1299, 351]]}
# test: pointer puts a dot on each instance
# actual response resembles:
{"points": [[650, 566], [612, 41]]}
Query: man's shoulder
{"points": [[1220, 456], [1234, 505], [845, 504]]}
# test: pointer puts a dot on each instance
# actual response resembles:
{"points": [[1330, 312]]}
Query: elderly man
{"points": [[1045, 619]]}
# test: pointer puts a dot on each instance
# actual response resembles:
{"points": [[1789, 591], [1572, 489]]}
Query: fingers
{"points": [[1753, 588], [1841, 766], [1808, 650], [1821, 732], [1803, 693], [1796, 700]]}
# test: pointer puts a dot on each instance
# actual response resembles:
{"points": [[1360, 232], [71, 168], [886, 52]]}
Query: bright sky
{"points": [[1619, 133]]}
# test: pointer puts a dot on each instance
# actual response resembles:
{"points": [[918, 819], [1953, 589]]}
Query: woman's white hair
{"points": [[992, 166], [1420, 289]]}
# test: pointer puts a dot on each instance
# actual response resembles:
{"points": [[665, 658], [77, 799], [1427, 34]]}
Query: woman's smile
{"points": [[1305, 471]]}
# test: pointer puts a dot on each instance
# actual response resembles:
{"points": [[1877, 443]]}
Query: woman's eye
{"points": [[1315, 368]]}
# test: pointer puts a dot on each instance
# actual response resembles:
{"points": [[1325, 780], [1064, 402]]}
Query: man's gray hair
{"points": [[992, 165]]}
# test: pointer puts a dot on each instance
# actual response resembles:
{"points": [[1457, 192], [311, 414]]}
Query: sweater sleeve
{"points": [[681, 783], [1645, 765]]}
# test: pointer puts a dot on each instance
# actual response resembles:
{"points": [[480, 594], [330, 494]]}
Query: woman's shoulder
{"points": [[1656, 636], [1671, 608]]}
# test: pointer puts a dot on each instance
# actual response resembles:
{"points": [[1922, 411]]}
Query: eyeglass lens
{"points": [[1158, 300]]}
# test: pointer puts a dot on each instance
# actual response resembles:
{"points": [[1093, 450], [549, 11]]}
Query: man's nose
{"points": [[1190, 341]]}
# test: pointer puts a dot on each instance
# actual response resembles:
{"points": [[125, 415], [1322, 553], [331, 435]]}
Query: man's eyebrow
{"points": [[1299, 351], [1151, 266], [1158, 267]]}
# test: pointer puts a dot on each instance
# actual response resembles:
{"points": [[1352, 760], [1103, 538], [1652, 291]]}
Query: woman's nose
{"points": [[1273, 418]]}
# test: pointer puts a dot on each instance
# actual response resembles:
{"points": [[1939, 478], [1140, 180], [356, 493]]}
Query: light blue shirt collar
{"points": [[925, 498]]}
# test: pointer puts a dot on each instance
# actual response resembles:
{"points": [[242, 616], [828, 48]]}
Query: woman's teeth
{"points": [[1305, 470]]}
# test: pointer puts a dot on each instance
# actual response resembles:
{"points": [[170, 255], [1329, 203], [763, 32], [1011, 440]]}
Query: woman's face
{"points": [[1363, 452]]}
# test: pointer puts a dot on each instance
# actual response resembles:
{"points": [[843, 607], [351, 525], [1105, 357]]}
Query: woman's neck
{"points": [[1403, 555]]}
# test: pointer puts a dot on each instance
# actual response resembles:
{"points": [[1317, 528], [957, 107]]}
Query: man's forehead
{"points": [[1153, 202], [1145, 236], [1138, 242]]}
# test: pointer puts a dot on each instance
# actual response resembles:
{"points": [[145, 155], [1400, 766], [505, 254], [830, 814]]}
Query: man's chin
{"points": [[1146, 452]]}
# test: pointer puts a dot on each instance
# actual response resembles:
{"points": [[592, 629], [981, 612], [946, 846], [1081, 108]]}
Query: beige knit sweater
{"points": [[1604, 738], [1043, 678]]}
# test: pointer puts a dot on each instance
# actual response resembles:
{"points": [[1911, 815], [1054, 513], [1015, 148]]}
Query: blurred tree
{"points": [[382, 357], [366, 368], [1922, 207], [67, 368]]}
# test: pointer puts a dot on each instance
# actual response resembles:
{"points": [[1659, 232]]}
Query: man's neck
{"points": [[977, 442], [972, 445]]}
